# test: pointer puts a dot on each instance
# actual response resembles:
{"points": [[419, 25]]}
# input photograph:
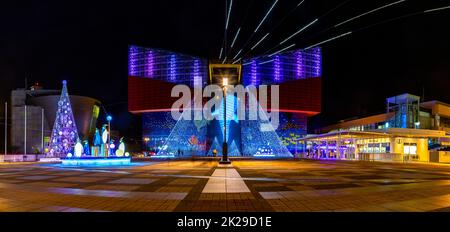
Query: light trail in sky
{"points": [[228, 15], [235, 37], [268, 12], [237, 54], [328, 40], [303, 28], [221, 51], [281, 50], [369, 12], [254, 46]]}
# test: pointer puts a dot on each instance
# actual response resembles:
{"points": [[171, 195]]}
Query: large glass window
{"points": [[410, 148]]}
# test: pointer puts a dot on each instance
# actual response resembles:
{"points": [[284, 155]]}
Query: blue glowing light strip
{"points": [[264, 155], [163, 156], [132, 61], [299, 63], [317, 62], [197, 80], [254, 73], [96, 162], [149, 64], [268, 12], [276, 69], [172, 67], [230, 113]]}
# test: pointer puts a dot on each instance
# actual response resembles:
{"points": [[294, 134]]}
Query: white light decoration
{"points": [[121, 150], [127, 154], [69, 155], [105, 136], [78, 149]]}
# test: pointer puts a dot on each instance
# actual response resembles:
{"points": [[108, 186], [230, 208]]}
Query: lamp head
{"points": [[225, 81]]}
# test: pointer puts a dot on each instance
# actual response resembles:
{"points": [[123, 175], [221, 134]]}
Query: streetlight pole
{"points": [[6, 128], [225, 159], [42, 131], [109, 118], [25, 132]]}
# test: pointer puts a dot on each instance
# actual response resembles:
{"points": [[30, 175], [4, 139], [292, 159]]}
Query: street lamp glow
{"points": [[417, 124], [109, 118], [225, 81]]}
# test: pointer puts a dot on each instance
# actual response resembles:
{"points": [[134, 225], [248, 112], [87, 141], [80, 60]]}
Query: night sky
{"points": [[86, 43]]}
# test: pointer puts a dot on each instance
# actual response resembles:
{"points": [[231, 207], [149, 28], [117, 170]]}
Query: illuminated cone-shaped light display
{"points": [[64, 133]]}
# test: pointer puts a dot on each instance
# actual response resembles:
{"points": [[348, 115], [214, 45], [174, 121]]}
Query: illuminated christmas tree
{"points": [[64, 133]]}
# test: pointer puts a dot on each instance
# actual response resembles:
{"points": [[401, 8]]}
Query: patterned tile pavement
{"points": [[254, 185]]}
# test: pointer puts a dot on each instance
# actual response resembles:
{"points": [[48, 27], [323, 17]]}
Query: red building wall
{"points": [[298, 96]]}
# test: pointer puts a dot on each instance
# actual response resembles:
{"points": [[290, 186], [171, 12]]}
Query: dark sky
{"points": [[86, 43]]}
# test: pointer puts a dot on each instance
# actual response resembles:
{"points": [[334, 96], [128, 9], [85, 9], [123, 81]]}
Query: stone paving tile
{"points": [[36, 177], [132, 181], [103, 174], [177, 186], [51, 184], [187, 181], [183, 189], [79, 179], [16, 181], [113, 187]]}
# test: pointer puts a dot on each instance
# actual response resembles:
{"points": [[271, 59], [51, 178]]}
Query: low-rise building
{"points": [[32, 113], [410, 130]]}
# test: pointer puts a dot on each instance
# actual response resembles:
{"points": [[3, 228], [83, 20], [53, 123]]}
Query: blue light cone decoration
{"points": [[64, 134], [180, 141]]}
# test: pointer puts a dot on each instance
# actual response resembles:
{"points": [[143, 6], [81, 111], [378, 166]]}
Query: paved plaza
{"points": [[246, 185]]}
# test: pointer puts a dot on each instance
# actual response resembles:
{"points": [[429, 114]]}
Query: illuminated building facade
{"points": [[153, 73], [166, 66], [290, 66]]}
